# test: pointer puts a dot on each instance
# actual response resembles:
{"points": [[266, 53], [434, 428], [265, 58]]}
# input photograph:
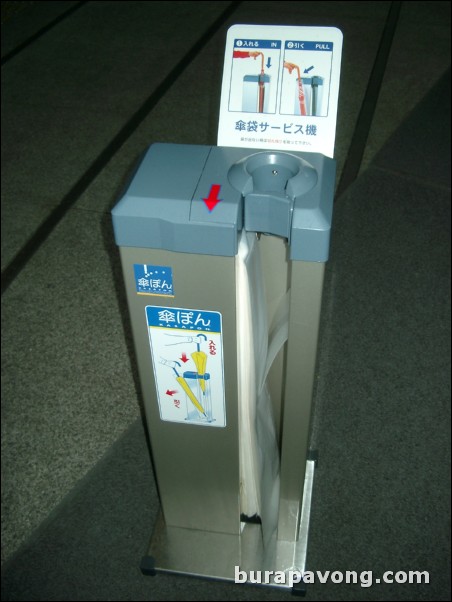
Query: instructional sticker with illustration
{"points": [[305, 88], [280, 88], [187, 356], [254, 77]]}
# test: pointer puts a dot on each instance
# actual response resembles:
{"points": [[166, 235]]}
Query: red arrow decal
{"points": [[212, 200], [184, 358], [168, 392]]}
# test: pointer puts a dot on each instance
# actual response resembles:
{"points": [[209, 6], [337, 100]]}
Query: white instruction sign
{"points": [[187, 355], [280, 88]]}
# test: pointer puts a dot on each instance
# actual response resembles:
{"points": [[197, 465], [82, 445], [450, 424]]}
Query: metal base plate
{"points": [[219, 555]]}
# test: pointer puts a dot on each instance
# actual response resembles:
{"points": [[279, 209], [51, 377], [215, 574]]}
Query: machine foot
{"points": [[147, 566], [313, 456], [299, 589]]}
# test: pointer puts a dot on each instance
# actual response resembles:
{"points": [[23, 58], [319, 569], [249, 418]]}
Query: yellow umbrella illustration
{"points": [[185, 386], [198, 356], [200, 359]]}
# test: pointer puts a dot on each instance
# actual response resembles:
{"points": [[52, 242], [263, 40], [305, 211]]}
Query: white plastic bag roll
{"points": [[259, 457]]}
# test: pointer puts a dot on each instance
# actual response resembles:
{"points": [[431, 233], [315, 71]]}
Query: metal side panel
{"points": [[197, 465], [221, 556], [304, 318]]}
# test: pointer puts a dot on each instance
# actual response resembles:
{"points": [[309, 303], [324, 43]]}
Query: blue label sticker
{"points": [[316, 46], [244, 43], [154, 280], [183, 319]]}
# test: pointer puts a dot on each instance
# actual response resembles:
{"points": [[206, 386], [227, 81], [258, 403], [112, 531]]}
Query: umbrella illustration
{"points": [[183, 383], [244, 54], [301, 96], [200, 359]]}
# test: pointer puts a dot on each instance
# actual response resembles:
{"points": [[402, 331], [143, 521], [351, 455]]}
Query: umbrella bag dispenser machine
{"points": [[223, 253]]}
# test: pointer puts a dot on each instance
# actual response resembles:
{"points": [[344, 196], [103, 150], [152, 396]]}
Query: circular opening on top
{"points": [[273, 162], [272, 172]]}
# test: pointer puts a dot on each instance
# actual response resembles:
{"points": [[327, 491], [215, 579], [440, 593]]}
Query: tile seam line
{"points": [[33, 38], [366, 114], [23, 256]]}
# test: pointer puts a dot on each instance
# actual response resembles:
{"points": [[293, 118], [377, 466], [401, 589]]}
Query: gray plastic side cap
{"points": [[312, 217]]}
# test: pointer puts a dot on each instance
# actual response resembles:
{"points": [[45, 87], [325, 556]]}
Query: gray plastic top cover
{"points": [[272, 192]]}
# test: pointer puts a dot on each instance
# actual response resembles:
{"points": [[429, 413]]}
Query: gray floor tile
{"points": [[68, 389], [66, 96], [382, 402], [420, 54], [429, 156], [24, 20]]}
